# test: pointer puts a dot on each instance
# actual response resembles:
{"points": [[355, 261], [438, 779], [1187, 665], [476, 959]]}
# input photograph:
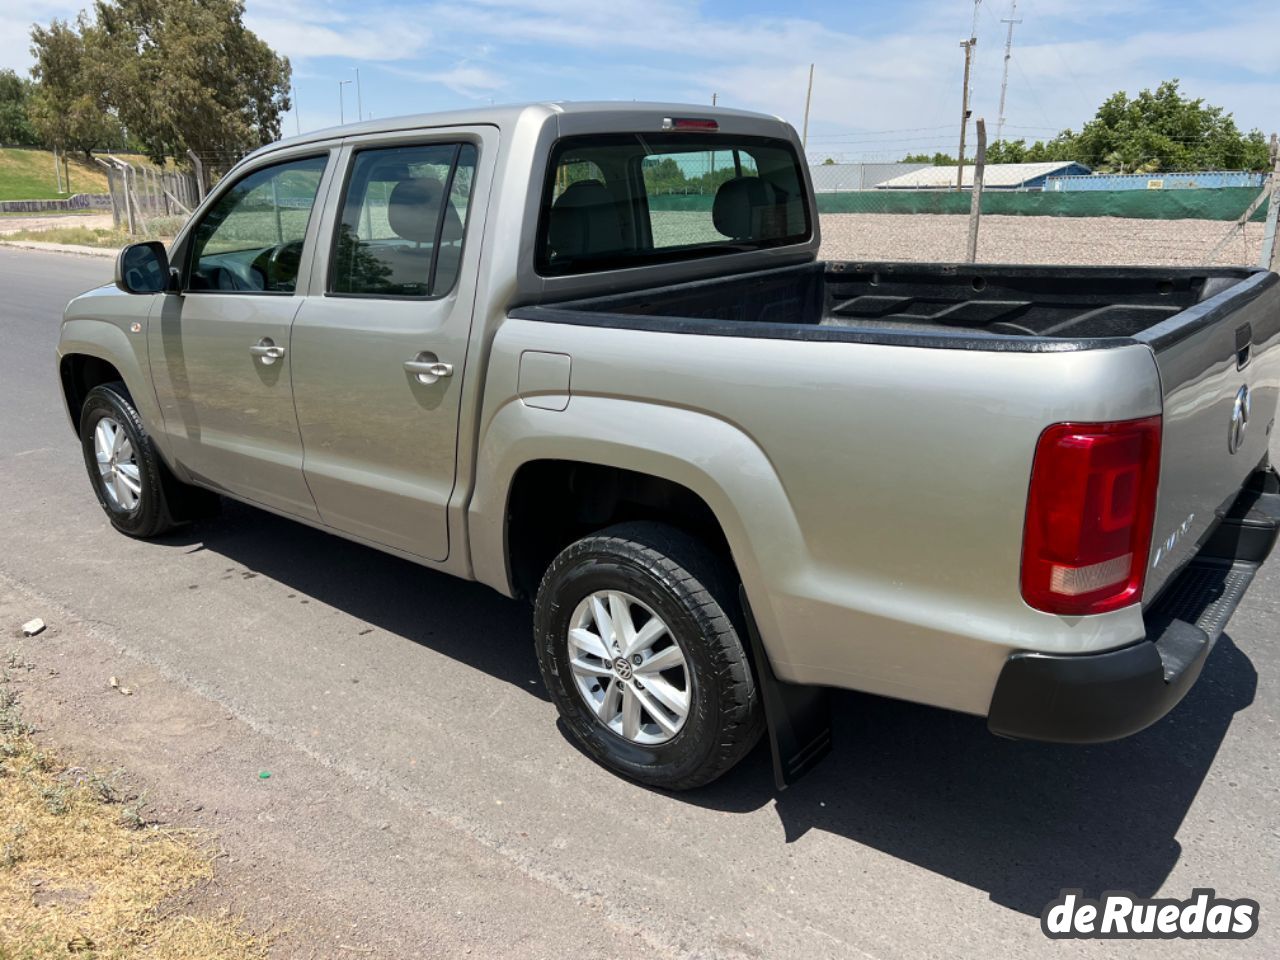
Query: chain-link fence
{"points": [[1044, 213]]}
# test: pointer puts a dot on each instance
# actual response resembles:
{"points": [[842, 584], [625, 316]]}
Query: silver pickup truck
{"points": [[729, 476]]}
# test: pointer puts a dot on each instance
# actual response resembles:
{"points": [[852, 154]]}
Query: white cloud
{"points": [[462, 78]]}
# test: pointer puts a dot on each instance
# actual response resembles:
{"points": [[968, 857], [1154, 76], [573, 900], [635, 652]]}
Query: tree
{"points": [[938, 159], [188, 75], [1166, 131], [66, 108], [15, 126]]}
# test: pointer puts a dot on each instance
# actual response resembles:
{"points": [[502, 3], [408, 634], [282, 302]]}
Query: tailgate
{"points": [[1219, 364]]}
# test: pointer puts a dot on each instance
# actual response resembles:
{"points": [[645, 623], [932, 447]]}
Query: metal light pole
{"points": [[808, 98], [297, 118], [1011, 20], [342, 115], [359, 99], [964, 107]]}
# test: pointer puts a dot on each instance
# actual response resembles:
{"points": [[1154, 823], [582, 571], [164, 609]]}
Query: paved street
{"points": [[422, 792]]}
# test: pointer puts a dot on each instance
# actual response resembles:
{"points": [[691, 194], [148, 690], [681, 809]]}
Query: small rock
{"points": [[32, 627], [126, 691], [115, 683]]}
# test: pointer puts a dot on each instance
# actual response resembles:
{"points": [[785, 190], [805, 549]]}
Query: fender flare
{"points": [[709, 456]]}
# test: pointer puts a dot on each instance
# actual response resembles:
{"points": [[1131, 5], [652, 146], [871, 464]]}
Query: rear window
{"points": [[626, 200]]}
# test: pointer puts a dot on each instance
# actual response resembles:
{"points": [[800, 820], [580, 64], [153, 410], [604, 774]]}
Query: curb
{"points": [[65, 248]]}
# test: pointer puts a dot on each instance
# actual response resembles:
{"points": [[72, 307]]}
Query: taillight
{"points": [[1089, 515], [689, 123]]}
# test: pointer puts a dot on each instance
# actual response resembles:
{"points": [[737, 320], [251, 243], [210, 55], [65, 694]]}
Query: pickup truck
{"points": [[730, 476]]}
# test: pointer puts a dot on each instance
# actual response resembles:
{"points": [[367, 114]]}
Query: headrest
{"points": [[740, 207], [584, 220], [414, 208]]}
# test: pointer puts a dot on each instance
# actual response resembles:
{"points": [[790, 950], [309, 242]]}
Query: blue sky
{"points": [[887, 74]]}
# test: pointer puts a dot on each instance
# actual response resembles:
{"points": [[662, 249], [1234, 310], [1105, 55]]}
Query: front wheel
{"points": [[132, 483], [637, 645]]}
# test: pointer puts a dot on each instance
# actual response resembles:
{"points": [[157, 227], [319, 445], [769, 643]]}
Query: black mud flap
{"points": [[798, 717]]}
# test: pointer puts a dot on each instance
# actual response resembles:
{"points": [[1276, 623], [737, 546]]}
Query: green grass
{"points": [[28, 175]]}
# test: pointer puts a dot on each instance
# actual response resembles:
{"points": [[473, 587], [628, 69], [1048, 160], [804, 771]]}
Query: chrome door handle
{"points": [[426, 368], [266, 351]]}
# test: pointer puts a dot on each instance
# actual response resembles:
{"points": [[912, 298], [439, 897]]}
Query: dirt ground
{"points": [[90, 221]]}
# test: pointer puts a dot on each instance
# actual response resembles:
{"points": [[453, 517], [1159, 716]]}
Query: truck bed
{"points": [[983, 307]]}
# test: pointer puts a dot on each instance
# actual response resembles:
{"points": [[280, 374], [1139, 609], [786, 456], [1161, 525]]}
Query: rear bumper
{"points": [[1090, 698]]}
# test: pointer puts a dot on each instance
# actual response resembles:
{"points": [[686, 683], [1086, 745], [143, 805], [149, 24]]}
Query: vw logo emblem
{"points": [[622, 667], [1239, 420]]}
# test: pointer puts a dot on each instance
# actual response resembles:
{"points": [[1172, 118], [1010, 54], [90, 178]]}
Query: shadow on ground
{"points": [[1019, 820]]}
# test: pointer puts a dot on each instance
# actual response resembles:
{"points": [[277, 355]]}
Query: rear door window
{"points": [[404, 214]]}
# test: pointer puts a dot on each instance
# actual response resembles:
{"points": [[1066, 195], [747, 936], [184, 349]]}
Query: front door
{"points": [[378, 360], [220, 350]]}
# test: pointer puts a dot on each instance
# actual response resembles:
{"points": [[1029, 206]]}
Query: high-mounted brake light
{"points": [[1090, 511], [689, 123]]}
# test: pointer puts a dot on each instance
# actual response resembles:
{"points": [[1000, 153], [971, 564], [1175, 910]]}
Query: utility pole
{"points": [[968, 46], [714, 98], [297, 119], [975, 202], [1011, 20], [342, 116], [808, 99], [359, 98]]}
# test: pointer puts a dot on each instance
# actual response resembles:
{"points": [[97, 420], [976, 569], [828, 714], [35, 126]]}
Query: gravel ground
{"points": [[1078, 240]]}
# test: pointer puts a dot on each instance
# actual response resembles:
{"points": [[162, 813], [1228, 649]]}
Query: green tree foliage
{"points": [[188, 75], [1156, 131], [67, 108], [15, 126], [1166, 131], [178, 75], [937, 159]]}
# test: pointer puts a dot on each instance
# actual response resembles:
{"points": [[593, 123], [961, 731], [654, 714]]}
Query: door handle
{"points": [[266, 351], [427, 368]]}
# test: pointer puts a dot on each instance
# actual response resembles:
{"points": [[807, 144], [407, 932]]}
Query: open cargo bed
{"points": [[987, 307]]}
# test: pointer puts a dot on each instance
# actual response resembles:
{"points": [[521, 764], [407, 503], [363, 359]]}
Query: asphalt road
{"points": [[424, 767]]}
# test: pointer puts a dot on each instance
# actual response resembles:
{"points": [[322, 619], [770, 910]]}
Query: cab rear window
{"points": [[626, 200]]}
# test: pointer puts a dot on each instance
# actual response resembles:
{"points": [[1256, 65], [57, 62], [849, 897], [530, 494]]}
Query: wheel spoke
{"points": [[603, 624], [125, 453], [624, 631], [128, 473], [590, 643], [607, 709], [117, 439], [645, 637], [654, 709], [630, 713], [677, 701], [585, 668], [103, 440], [667, 658], [124, 496]]}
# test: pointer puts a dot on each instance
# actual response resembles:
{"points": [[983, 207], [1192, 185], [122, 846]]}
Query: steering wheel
{"points": [[279, 265]]}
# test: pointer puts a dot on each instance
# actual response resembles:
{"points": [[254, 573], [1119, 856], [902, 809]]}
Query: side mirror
{"points": [[143, 268]]}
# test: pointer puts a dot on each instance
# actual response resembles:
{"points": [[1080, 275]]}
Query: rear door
{"points": [[378, 358], [1219, 366], [219, 351]]}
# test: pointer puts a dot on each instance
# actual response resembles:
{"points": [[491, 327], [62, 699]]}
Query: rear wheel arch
{"points": [[552, 503]]}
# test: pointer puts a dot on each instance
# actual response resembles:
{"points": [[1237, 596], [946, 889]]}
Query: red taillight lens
{"points": [[1089, 515], [689, 123]]}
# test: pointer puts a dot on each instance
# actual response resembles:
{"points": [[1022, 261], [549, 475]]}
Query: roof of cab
{"points": [[503, 115]]}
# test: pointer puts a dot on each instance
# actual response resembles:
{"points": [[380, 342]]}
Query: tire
{"points": [[675, 578], [152, 501]]}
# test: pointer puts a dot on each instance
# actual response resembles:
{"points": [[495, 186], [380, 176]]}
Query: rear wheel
{"points": [[136, 490], [638, 647]]}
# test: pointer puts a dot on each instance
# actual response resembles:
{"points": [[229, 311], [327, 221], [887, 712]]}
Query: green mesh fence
{"points": [[1225, 203]]}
